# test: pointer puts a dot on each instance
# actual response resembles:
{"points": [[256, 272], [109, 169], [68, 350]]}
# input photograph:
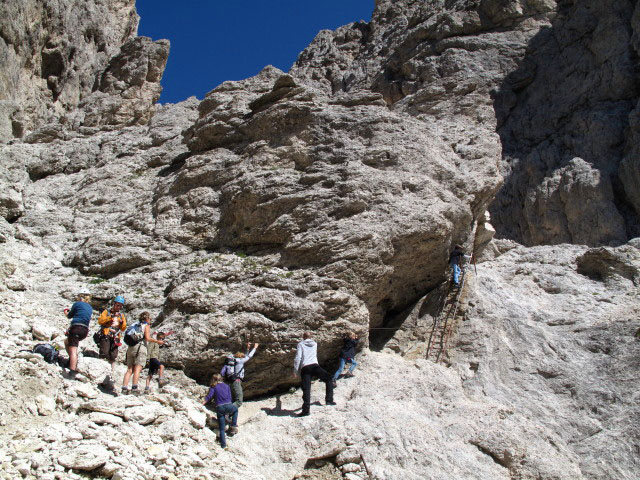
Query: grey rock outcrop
{"points": [[539, 74], [52, 53], [128, 88], [572, 95]]}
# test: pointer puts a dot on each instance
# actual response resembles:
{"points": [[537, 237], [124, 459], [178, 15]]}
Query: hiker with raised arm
{"points": [[80, 315], [347, 355], [137, 337], [306, 366], [220, 393], [112, 322], [155, 366], [456, 260], [233, 372]]}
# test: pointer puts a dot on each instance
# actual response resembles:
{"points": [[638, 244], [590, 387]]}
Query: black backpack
{"points": [[48, 351]]}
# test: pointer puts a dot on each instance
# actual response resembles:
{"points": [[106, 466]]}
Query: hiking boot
{"points": [[331, 403], [232, 431], [135, 390], [348, 375], [125, 391], [302, 414], [147, 390]]}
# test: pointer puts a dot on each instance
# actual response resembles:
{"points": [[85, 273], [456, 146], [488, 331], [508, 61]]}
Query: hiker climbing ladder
{"points": [[444, 322]]}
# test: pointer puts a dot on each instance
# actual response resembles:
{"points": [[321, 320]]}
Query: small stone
{"points": [[85, 457], [348, 456], [157, 452], [144, 415], [197, 417], [46, 405], [350, 468], [86, 391], [105, 418]]}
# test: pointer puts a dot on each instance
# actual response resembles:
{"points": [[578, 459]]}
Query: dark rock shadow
{"points": [[570, 96], [278, 411]]}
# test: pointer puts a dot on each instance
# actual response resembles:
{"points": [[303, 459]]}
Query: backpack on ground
{"points": [[48, 351], [134, 334]]}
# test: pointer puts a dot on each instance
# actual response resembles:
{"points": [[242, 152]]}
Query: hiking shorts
{"points": [[76, 333], [137, 355], [154, 366], [108, 348]]}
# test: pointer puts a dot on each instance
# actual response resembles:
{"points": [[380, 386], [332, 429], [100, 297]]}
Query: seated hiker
{"points": [[233, 372], [347, 355], [137, 337], [80, 315], [112, 322], [306, 365], [220, 393], [456, 260], [155, 366]]}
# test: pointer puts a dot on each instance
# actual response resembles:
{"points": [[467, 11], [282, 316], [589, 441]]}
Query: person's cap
{"points": [[119, 299], [84, 291]]}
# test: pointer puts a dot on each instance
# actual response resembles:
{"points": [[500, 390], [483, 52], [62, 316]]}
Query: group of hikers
{"points": [[113, 329], [225, 389]]}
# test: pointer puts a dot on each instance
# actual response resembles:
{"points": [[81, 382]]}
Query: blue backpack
{"points": [[134, 334]]}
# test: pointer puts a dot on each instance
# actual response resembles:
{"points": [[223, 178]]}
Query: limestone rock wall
{"points": [[555, 80], [571, 96], [52, 53], [327, 199]]}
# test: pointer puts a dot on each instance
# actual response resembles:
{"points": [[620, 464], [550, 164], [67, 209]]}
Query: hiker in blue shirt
{"points": [[80, 315], [220, 392]]}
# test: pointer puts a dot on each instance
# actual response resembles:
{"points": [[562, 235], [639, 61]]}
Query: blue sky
{"points": [[213, 41]]}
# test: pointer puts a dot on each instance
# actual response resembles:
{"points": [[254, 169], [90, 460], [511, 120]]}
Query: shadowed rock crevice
{"points": [[563, 120]]}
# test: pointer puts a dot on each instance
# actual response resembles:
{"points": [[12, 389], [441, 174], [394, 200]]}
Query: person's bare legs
{"points": [[127, 376], [136, 374], [73, 355], [149, 377]]}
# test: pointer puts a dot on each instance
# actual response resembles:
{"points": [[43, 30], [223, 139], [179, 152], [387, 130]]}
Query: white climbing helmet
{"points": [[84, 291]]}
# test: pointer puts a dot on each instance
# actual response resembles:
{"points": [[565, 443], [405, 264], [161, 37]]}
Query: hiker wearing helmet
{"points": [[112, 322], [456, 260], [220, 393], [80, 315], [306, 365], [233, 372], [138, 336]]}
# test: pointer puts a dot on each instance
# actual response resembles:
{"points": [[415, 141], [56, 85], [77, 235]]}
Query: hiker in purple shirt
{"points": [[221, 394]]}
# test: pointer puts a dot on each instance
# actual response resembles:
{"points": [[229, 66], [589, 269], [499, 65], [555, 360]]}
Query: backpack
{"points": [[235, 375], [48, 351], [134, 334]]}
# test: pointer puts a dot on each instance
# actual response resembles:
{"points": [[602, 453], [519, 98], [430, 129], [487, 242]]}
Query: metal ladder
{"points": [[444, 322]]}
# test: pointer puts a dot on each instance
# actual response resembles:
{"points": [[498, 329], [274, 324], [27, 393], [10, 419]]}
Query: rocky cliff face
{"points": [[59, 54], [327, 199]]}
